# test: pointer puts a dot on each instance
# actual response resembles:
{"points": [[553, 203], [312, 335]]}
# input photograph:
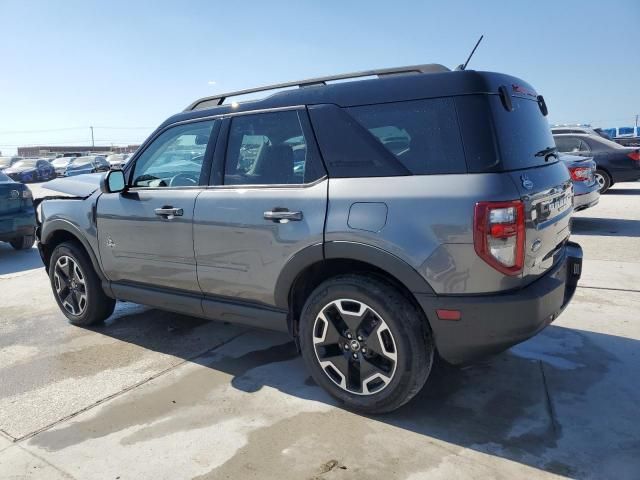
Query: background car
{"points": [[615, 163], [557, 130], [6, 162], [17, 216], [117, 160], [31, 170], [60, 165], [87, 164], [586, 190]]}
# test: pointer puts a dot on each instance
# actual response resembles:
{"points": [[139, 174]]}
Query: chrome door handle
{"points": [[169, 212], [282, 215]]}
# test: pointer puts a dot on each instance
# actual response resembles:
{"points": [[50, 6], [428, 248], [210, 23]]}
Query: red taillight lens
{"points": [[499, 235], [635, 156], [580, 174]]}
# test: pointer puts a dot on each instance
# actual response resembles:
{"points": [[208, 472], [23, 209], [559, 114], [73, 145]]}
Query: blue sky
{"points": [[127, 65]]}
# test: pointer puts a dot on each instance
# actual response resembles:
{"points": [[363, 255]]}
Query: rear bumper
{"points": [[492, 323], [585, 200], [17, 224]]}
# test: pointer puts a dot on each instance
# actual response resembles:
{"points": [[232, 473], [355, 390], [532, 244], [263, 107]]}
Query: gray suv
{"points": [[380, 222]]}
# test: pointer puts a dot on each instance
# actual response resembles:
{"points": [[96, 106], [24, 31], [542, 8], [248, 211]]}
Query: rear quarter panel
{"points": [[428, 224]]}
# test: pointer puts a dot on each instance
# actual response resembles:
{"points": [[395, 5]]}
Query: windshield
{"points": [[523, 135], [25, 163], [60, 162]]}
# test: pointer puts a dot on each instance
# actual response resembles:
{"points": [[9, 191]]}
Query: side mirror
{"points": [[113, 182]]}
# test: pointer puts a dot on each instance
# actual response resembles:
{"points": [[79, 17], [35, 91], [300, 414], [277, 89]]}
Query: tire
{"points": [[76, 286], [23, 243], [386, 324], [604, 180]]}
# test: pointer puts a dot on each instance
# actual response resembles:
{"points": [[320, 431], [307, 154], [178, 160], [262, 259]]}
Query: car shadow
{"points": [[606, 227], [562, 402], [16, 261], [623, 191]]}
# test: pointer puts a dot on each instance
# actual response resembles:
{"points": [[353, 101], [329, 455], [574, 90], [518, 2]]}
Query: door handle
{"points": [[169, 212], [282, 215]]}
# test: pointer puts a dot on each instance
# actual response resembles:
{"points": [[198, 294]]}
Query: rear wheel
{"points": [[23, 243], [604, 180], [76, 286], [365, 343]]}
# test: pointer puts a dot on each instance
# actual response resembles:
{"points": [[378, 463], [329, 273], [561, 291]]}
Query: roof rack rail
{"points": [[215, 100]]}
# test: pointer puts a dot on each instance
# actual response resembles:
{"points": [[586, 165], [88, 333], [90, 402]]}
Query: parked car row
{"points": [[28, 170], [71, 166], [614, 162]]}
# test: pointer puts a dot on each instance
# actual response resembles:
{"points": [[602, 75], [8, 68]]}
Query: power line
{"points": [[2, 132]]}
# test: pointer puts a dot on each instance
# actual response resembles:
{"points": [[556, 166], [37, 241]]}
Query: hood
{"points": [[80, 186], [10, 170]]}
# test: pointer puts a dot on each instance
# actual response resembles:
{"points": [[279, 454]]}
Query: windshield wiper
{"points": [[546, 152]]}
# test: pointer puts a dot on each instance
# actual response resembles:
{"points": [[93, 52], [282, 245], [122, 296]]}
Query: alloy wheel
{"points": [[69, 282], [355, 347]]}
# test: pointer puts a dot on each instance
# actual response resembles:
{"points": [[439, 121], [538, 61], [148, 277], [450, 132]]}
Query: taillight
{"points": [[635, 156], [580, 174], [499, 235]]}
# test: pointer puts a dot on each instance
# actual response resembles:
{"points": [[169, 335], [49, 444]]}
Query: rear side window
{"points": [[422, 135], [571, 144]]}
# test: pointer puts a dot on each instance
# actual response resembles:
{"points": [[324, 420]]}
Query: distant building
{"points": [[55, 150]]}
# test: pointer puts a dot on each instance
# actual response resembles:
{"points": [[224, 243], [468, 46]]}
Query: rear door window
{"points": [[270, 148], [422, 135]]}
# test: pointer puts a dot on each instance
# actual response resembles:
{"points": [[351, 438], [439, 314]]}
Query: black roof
{"points": [[386, 88]]}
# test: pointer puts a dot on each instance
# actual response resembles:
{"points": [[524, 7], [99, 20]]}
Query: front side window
{"points": [[174, 158], [268, 149], [423, 135]]}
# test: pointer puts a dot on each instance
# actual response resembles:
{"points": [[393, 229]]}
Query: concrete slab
{"points": [[249, 410], [18, 464], [562, 404], [5, 441], [50, 369]]}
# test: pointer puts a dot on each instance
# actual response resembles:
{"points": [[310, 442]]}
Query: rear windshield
{"points": [[523, 135]]}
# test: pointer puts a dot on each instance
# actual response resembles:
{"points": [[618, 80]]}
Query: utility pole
{"points": [[93, 144]]}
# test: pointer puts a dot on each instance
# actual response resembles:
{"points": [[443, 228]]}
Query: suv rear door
{"points": [[146, 232], [267, 201], [527, 153]]}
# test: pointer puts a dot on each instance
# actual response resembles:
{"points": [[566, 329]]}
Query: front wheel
{"points": [[365, 343], [604, 180], [76, 286]]}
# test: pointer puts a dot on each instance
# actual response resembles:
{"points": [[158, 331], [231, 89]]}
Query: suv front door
{"points": [[267, 202], [146, 232]]}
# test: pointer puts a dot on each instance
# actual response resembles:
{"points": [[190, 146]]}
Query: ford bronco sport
{"points": [[380, 221]]}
